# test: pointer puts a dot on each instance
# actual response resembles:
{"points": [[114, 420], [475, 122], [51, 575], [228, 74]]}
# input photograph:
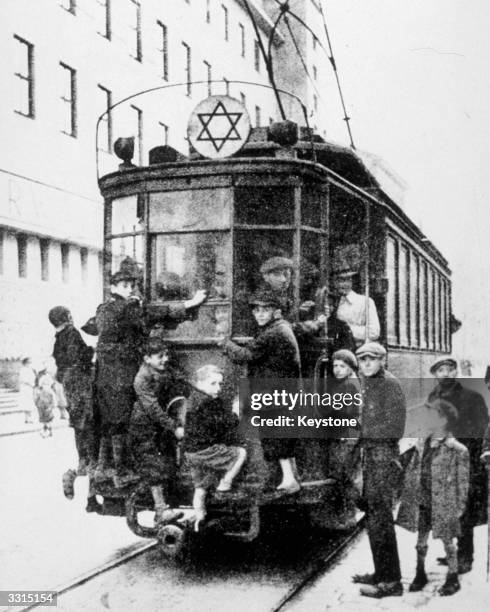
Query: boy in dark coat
{"points": [[435, 493], [74, 371], [469, 429], [212, 446], [273, 354], [154, 433]]}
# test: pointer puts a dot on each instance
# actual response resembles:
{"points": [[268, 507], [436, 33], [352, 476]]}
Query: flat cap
{"points": [[347, 357], [345, 273], [375, 349], [450, 361], [276, 263], [265, 297]]}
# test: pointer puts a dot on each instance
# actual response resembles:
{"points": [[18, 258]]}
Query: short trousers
{"points": [[207, 464]]}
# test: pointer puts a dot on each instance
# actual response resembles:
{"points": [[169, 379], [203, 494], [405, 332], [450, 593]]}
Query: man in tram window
{"points": [[272, 354], [352, 308], [383, 424], [120, 323], [470, 430]]}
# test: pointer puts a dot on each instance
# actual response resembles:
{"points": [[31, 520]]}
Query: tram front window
{"points": [[183, 263]]}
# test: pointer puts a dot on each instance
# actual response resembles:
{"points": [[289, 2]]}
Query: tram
{"points": [[199, 223]]}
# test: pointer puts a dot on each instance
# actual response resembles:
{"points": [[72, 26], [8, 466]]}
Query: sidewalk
{"points": [[334, 590], [13, 424]]}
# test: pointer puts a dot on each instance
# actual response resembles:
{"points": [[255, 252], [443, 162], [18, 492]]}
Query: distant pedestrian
{"points": [[469, 429], [383, 424], [45, 402], [27, 382], [435, 492]]}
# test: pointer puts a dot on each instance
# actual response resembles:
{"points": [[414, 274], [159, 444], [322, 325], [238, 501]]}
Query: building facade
{"points": [[66, 62]]}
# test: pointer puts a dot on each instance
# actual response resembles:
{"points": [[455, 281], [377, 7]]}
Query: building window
{"points": [[242, 39], [164, 132], [439, 313], [414, 298], [257, 116], [257, 55], [135, 27], [314, 40], [69, 5], [69, 100], [227, 86], [137, 123], [24, 73], [65, 263], [315, 102], [44, 251], [207, 75], [315, 73], [84, 264], [243, 98], [2, 234], [424, 307], [225, 21], [105, 125], [103, 18], [22, 255], [187, 68], [163, 49], [208, 11], [392, 295]]}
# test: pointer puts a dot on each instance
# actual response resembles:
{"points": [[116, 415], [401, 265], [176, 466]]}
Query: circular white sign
{"points": [[218, 127]]}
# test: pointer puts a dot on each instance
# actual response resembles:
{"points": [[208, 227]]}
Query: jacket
{"points": [[450, 486], [70, 351], [208, 422]]}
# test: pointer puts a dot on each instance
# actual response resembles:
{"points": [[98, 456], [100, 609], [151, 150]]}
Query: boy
{"points": [[273, 354], [45, 402], [74, 371], [435, 493], [211, 442], [153, 433]]}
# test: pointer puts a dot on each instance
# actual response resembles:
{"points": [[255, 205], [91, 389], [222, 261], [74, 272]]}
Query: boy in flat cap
{"points": [[272, 354], [383, 424], [469, 429]]}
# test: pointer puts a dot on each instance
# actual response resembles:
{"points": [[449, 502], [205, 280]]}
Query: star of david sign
{"points": [[223, 128], [218, 126]]}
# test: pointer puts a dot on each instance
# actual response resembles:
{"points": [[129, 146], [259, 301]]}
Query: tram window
{"points": [[251, 250], [126, 246], [264, 205], [312, 267], [125, 216], [414, 301], [188, 210], [391, 265], [311, 207], [424, 309], [183, 263], [403, 295]]}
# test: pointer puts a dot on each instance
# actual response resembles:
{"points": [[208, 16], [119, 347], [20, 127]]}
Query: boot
{"points": [[420, 579], [93, 505], [103, 471], [123, 475], [451, 585]]}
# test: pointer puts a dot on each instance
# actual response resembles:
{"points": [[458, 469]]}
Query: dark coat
{"points": [[470, 431], [384, 409], [120, 326], [273, 353], [208, 422], [450, 485], [70, 351]]}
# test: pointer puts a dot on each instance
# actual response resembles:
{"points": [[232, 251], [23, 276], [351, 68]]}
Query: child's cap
{"points": [[205, 371], [347, 357], [59, 315], [265, 297], [154, 346]]}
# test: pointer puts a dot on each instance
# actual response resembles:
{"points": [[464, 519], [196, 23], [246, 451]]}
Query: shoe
{"points": [[93, 505], [68, 482], [224, 486], [451, 585], [166, 516], [364, 579], [383, 589], [418, 582], [464, 567], [290, 489]]}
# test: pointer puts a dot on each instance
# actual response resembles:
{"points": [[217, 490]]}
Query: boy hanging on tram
{"points": [[273, 354], [153, 433]]}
